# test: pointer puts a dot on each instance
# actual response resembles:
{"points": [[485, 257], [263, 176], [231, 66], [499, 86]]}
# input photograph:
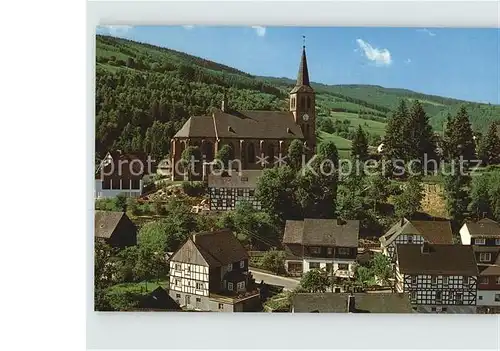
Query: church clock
{"points": [[305, 117]]}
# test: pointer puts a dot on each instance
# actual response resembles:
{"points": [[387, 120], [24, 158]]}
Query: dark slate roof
{"points": [[441, 259], [435, 232], [302, 84], [322, 232], [219, 248], [105, 223], [243, 124], [123, 163], [363, 303], [484, 228], [159, 300]]}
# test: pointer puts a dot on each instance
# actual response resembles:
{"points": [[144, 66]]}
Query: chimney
{"points": [[224, 103], [351, 303], [425, 249]]}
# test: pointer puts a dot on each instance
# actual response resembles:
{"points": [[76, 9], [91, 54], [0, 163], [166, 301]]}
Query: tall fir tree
{"points": [[489, 147], [393, 139], [360, 145], [447, 137], [461, 137], [456, 187], [418, 138]]}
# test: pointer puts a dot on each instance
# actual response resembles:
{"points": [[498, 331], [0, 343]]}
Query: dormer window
{"points": [[315, 250], [479, 241], [485, 257]]}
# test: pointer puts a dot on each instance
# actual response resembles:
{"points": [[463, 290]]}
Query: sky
{"points": [[450, 62]]}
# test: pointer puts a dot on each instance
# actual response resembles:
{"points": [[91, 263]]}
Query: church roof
{"points": [[302, 84], [243, 124]]}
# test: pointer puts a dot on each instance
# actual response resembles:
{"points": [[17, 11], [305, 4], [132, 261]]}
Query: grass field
{"points": [[141, 287], [343, 145], [373, 127]]}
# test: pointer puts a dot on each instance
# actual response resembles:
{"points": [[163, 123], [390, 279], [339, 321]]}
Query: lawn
{"points": [[139, 287], [373, 127]]}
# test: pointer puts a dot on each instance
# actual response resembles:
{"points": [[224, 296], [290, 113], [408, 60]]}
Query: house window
{"points": [[329, 251], [177, 282], [199, 286], [221, 306], [240, 192], [315, 250], [414, 279], [445, 280], [230, 286], [343, 251], [497, 297], [438, 296], [458, 298], [497, 241], [483, 280], [219, 203], [410, 240], [413, 295], [242, 264], [188, 299], [465, 280], [240, 286], [480, 241], [343, 267], [329, 267], [433, 280], [177, 296], [230, 267], [480, 297], [178, 267], [313, 265], [433, 309], [498, 280], [485, 257]]}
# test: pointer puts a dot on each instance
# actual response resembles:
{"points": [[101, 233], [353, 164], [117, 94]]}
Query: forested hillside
{"points": [[145, 93]]}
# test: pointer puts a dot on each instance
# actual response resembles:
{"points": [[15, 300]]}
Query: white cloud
{"points": [[379, 56], [115, 30], [188, 27], [408, 61], [261, 31], [425, 30]]}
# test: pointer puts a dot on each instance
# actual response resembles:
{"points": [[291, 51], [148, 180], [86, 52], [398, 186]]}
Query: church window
{"points": [[251, 153], [270, 153], [293, 102], [302, 102], [308, 102]]}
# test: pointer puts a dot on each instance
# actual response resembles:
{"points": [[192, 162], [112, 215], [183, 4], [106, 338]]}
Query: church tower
{"points": [[303, 104]]}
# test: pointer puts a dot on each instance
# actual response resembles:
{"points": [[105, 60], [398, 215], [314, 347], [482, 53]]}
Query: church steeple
{"points": [[303, 104], [303, 75]]}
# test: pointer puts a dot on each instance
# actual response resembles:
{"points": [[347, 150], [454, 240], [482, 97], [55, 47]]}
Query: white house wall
{"points": [[100, 193], [465, 235], [336, 262], [487, 297]]}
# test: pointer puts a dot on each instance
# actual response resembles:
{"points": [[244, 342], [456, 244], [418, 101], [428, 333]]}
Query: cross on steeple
{"points": [[303, 41]]}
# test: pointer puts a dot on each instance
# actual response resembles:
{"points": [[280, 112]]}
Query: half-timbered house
{"points": [[331, 244], [485, 232], [438, 278], [229, 189], [210, 273], [415, 232]]}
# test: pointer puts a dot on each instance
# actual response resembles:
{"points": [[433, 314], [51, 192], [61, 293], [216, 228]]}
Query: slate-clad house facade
{"points": [[438, 278], [253, 133], [227, 190], [415, 232], [210, 273], [331, 244], [484, 237], [122, 173], [115, 229]]}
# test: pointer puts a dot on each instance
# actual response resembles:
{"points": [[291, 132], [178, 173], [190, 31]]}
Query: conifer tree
{"points": [[418, 136], [461, 137], [456, 187], [360, 145], [393, 140], [448, 129], [489, 147]]}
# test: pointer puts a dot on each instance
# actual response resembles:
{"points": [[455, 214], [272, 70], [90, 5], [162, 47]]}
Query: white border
{"points": [[213, 330]]}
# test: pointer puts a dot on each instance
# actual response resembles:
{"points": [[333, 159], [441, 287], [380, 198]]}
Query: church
{"points": [[252, 134]]}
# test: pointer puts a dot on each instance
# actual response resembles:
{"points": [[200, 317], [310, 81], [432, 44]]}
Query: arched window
{"points": [[251, 153], [293, 102], [308, 102], [302, 102], [270, 153], [208, 151]]}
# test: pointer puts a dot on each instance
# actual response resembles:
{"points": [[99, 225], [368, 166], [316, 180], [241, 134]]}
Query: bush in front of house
{"points": [[193, 189]]}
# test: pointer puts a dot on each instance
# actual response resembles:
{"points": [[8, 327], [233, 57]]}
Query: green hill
{"points": [[145, 93]]}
